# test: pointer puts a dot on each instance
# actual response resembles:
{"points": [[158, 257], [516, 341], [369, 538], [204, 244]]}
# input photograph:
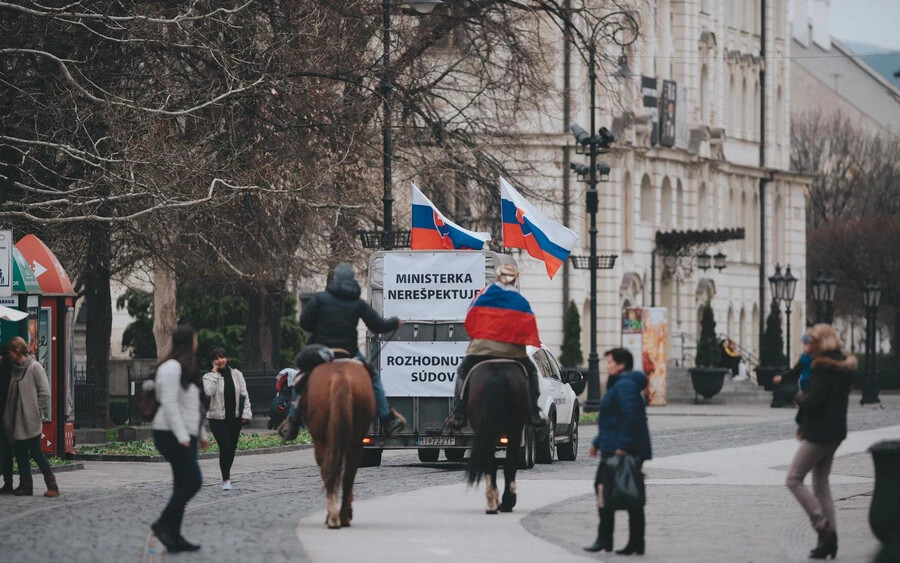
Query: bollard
{"points": [[884, 513]]}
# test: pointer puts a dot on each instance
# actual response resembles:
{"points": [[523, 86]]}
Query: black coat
{"points": [[331, 316], [823, 408]]}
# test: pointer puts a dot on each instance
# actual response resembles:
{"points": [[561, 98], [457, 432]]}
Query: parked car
{"points": [[559, 403]]}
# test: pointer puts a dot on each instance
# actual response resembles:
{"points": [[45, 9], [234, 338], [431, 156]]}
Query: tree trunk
{"points": [[164, 316], [98, 300], [265, 303]]}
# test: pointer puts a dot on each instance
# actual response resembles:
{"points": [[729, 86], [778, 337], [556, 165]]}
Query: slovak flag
{"points": [[524, 226], [432, 231]]}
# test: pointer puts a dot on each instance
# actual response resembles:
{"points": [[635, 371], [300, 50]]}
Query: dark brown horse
{"points": [[498, 406], [338, 406]]}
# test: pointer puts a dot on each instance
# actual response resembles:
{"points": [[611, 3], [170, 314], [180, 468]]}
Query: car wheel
{"points": [[545, 448], [371, 457], [455, 454], [429, 455], [526, 452], [569, 450]]}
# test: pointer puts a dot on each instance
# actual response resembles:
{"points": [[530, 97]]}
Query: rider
{"points": [[500, 324], [331, 316]]}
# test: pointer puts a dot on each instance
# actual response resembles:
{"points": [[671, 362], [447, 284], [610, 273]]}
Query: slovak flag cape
{"points": [[503, 315], [524, 226], [432, 231]]}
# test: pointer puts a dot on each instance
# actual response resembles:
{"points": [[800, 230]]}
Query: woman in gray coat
{"points": [[26, 404]]}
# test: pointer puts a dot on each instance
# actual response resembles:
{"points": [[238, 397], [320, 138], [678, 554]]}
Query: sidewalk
{"points": [[722, 505]]}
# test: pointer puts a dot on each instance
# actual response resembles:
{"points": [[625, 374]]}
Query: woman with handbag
{"points": [[823, 426], [229, 408], [623, 431], [177, 432]]}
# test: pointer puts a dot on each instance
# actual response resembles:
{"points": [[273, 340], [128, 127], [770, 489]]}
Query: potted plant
{"points": [[707, 378], [771, 353]]}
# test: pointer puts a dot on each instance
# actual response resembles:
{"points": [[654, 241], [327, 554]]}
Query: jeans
{"points": [[227, 432], [818, 504], [31, 448], [186, 475], [6, 458]]}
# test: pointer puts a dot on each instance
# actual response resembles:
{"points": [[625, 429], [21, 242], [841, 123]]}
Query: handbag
{"points": [[145, 402], [623, 483]]}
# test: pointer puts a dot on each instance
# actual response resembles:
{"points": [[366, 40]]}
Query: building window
{"points": [[702, 208], [627, 212], [679, 194], [666, 201], [648, 205]]}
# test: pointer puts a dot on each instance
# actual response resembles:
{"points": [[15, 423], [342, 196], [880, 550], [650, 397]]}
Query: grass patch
{"points": [[54, 462], [146, 447], [587, 417]]}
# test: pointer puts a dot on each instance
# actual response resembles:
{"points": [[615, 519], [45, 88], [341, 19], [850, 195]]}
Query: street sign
{"points": [[6, 263]]}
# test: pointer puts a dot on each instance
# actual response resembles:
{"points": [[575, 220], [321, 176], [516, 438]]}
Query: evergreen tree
{"points": [[571, 355], [708, 348], [771, 354]]}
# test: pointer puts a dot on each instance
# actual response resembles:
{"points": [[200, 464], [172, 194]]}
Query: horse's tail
{"points": [[490, 425], [340, 429]]}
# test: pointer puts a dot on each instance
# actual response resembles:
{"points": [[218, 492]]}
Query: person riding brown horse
{"points": [[501, 324]]}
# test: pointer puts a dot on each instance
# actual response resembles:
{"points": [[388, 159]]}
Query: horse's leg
{"points": [[350, 466], [509, 474], [490, 494]]}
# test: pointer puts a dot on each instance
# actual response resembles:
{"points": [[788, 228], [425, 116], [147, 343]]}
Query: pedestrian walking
{"points": [[622, 430], [786, 385], [229, 408], [26, 409], [823, 426], [6, 449], [177, 432]]}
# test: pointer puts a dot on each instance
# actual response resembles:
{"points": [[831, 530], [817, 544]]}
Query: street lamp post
{"points": [[783, 288], [871, 298], [824, 288]]}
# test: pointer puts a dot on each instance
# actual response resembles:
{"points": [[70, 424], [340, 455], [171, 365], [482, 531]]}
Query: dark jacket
{"points": [[622, 420], [331, 316], [823, 408]]}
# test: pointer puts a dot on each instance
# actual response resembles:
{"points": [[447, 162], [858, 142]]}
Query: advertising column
{"points": [[654, 358]]}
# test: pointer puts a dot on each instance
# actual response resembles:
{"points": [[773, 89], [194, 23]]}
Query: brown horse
{"points": [[338, 407], [498, 406]]}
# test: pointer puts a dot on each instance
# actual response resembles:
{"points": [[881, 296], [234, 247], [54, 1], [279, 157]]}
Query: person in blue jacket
{"points": [[622, 425]]}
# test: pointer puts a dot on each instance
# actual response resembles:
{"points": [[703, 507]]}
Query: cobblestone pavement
{"points": [[105, 510]]}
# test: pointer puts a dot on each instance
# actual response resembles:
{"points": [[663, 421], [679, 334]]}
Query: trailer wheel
{"points": [[455, 454], [429, 455], [371, 457]]}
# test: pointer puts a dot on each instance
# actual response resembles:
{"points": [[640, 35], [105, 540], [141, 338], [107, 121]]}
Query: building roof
{"points": [[852, 79]]}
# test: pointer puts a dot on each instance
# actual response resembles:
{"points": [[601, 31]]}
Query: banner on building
{"points": [[667, 118], [6, 263], [420, 369], [650, 96], [681, 128], [654, 357], [427, 286]]}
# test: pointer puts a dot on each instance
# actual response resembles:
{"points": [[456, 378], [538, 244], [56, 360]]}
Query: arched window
{"points": [[705, 100], [754, 125], [666, 201], [729, 103], [745, 248], [679, 204], [741, 329], [627, 212], [729, 328], [648, 203], [702, 207]]}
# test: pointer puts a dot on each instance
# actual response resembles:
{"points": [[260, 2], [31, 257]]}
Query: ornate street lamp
{"points": [[719, 261], [704, 261], [871, 291], [783, 288], [824, 288], [388, 238], [776, 284]]}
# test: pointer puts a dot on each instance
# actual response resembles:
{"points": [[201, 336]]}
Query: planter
{"points": [[884, 512], [707, 382], [764, 376]]}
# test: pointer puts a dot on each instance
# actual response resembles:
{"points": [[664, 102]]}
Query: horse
{"points": [[338, 406], [498, 406]]}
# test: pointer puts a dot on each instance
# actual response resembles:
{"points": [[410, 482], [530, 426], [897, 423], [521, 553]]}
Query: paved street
{"points": [[715, 494]]}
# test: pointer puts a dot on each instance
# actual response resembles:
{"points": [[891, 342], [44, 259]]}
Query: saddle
{"points": [[314, 355], [493, 360]]}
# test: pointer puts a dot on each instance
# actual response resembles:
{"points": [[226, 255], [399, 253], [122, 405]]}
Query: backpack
{"points": [[145, 402]]}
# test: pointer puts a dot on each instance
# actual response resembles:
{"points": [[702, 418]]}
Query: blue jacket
{"points": [[622, 420]]}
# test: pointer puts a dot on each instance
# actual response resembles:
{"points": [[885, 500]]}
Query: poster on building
{"points": [[650, 98], [632, 330], [654, 359], [6, 263], [44, 354], [681, 128], [427, 286], [667, 113], [421, 369]]}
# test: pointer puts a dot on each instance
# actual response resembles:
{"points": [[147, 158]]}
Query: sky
{"points": [[867, 21]]}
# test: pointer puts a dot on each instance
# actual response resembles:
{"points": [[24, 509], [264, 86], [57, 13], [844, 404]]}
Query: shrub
{"points": [[771, 354], [571, 355], [708, 349]]}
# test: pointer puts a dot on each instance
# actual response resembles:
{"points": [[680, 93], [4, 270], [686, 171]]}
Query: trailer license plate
{"points": [[436, 441]]}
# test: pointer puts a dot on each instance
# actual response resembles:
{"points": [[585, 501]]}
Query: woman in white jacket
{"points": [[229, 408], [177, 432]]}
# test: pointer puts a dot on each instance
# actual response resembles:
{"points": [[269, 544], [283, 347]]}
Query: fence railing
{"points": [[85, 398]]}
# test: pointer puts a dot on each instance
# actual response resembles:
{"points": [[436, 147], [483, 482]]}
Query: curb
{"points": [[159, 458], [60, 468]]}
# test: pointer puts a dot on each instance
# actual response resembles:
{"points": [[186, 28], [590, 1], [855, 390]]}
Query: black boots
{"points": [[828, 546], [633, 546], [636, 525], [604, 541]]}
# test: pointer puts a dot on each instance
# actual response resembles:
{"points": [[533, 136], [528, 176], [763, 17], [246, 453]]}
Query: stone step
{"points": [[679, 389]]}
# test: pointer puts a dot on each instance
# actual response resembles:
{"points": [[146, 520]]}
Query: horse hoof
{"points": [[504, 508], [345, 523], [490, 512], [333, 522]]}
